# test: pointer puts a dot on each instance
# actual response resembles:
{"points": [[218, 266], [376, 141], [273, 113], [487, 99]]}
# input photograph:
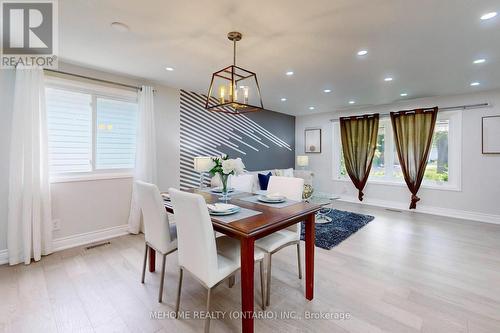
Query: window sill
{"points": [[89, 177], [444, 187]]}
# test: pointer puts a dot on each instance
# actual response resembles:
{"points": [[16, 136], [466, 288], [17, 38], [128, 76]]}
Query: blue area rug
{"points": [[343, 225]]}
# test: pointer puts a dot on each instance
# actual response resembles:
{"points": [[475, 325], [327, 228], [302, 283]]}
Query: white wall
{"points": [[480, 193], [86, 207]]}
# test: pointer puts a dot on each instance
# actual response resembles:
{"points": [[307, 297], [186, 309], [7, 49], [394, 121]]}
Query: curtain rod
{"points": [[93, 79], [448, 108]]}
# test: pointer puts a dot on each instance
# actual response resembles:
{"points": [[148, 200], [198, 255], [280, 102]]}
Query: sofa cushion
{"points": [[284, 172]]}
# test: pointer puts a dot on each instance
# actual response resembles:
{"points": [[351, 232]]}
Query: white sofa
{"points": [[304, 174]]}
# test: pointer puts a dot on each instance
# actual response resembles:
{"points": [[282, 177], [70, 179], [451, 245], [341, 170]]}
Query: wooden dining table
{"points": [[249, 229]]}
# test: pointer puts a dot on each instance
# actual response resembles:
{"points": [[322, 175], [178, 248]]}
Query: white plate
{"points": [[229, 212], [266, 199], [221, 207], [219, 190]]}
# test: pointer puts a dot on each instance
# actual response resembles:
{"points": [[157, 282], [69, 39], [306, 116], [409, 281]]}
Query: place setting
{"points": [[222, 209], [228, 212], [276, 200]]}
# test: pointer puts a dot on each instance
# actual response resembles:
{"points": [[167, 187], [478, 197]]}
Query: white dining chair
{"points": [[292, 189], [160, 235], [211, 260]]}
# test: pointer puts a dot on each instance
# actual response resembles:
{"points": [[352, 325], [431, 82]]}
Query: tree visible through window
{"points": [[437, 166], [437, 169]]}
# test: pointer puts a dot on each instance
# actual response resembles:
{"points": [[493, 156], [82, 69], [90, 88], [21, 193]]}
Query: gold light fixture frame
{"points": [[234, 74]]}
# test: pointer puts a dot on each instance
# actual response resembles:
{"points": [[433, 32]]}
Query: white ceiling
{"points": [[427, 46]]}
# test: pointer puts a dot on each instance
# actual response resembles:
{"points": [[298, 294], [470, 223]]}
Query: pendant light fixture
{"points": [[234, 89]]}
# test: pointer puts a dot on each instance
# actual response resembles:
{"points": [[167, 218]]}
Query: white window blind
{"points": [[90, 131], [116, 134], [69, 117]]}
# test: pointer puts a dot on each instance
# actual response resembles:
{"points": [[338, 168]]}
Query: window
{"points": [[91, 129], [443, 166]]}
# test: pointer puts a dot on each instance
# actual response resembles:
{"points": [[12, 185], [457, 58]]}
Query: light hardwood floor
{"points": [[400, 273]]}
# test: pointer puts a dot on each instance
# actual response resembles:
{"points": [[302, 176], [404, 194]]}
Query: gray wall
{"points": [[281, 125], [263, 140]]}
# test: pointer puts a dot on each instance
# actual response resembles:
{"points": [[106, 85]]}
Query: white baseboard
{"points": [[446, 212], [64, 243], [68, 242], [4, 257]]}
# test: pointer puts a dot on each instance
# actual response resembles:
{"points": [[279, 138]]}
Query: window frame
{"points": [[95, 91], [454, 182]]}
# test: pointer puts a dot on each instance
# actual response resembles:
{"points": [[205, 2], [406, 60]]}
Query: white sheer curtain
{"points": [[145, 156], [29, 227]]}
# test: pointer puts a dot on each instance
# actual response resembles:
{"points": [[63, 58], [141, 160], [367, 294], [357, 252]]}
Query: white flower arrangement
{"points": [[225, 166]]}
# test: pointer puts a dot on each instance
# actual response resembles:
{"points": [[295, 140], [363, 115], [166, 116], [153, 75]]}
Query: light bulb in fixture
{"points": [[283, 99], [352, 102], [388, 79], [289, 73], [362, 52], [475, 84], [403, 94], [311, 108], [169, 69], [327, 91], [479, 61]]}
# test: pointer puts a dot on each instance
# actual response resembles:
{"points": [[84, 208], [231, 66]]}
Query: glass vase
{"points": [[225, 189]]}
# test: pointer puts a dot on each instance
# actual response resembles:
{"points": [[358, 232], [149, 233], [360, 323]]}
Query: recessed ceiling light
{"points": [[289, 73], [283, 99], [362, 52], [327, 91], [474, 84], [479, 61], [169, 69], [119, 26], [311, 108], [388, 79], [489, 15], [403, 94], [352, 102]]}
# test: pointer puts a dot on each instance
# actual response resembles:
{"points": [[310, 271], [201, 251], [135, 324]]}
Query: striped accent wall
{"points": [[263, 140]]}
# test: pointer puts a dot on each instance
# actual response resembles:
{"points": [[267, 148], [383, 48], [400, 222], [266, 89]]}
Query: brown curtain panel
{"points": [[359, 142], [413, 132]]}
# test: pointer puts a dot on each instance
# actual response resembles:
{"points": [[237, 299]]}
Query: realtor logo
{"points": [[29, 33]]}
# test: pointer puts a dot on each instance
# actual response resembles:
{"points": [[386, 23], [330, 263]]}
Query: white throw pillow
{"points": [[284, 172]]}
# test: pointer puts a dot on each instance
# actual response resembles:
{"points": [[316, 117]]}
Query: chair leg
{"points": [[162, 281], [298, 261], [144, 264], [268, 291], [207, 320], [179, 287], [230, 281], [262, 293]]}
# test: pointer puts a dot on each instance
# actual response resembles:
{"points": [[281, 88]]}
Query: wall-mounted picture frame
{"points": [[312, 140], [490, 129]]}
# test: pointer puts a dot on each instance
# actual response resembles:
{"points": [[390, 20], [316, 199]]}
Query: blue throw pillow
{"points": [[264, 180]]}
